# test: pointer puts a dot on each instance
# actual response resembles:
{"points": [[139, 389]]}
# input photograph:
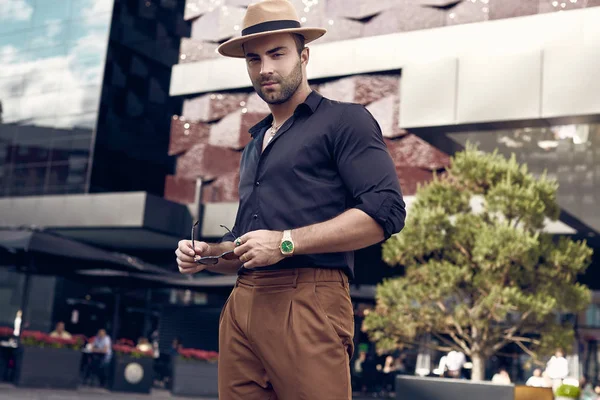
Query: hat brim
{"points": [[233, 47]]}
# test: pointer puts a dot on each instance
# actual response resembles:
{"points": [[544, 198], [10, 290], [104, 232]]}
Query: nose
{"points": [[266, 67]]}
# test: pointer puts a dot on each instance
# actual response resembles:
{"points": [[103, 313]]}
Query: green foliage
{"points": [[569, 391], [479, 271]]}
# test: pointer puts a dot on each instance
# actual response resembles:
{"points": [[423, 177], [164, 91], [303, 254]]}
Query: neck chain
{"points": [[274, 128]]}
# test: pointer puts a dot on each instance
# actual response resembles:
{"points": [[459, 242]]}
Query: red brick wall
{"points": [[213, 130]]}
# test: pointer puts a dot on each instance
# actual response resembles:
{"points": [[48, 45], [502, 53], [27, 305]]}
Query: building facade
{"points": [[512, 75], [104, 140], [84, 121]]}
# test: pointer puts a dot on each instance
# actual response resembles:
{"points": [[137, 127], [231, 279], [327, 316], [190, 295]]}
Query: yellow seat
{"points": [[533, 393]]}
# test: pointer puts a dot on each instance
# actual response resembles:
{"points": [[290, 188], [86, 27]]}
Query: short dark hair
{"points": [[300, 42]]}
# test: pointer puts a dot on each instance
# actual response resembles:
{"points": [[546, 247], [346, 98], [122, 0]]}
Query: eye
{"points": [[277, 55], [252, 60]]}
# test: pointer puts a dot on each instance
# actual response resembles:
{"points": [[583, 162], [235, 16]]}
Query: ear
{"points": [[305, 56]]}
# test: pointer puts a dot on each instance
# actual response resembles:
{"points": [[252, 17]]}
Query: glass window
{"points": [[47, 12], [592, 316], [77, 172], [11, 86], [27, 179], [77, 101], [15, 15], [11, 109], [569, 153], [43, 78], [41, 132], [89, 8], [50, 35], [31, 153], [13, 40], [87, 69], [39, 105], [71, 148], [58, 174]]}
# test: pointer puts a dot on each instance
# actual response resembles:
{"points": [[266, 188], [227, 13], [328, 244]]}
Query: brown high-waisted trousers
{"points": [[287, 335]]}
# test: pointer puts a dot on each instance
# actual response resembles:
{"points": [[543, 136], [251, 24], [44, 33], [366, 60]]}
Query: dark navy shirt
{"points": [[327, 158]]}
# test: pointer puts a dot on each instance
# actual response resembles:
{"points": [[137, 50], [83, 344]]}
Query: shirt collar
{"points": [[310, 105]]}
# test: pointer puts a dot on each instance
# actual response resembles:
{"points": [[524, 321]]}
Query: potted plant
{"points": [[133, 368], [45, 361], [194, 373], [567, 392], [7, 356]]}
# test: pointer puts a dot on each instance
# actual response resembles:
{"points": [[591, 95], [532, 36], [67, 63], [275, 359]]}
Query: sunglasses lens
{"points": [[208, 261]]}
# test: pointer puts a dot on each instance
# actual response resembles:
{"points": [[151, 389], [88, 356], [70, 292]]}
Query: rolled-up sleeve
{"points": [[367, 169]]}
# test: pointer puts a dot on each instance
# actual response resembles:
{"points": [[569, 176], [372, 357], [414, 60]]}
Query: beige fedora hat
{"points": [[266, 18]]}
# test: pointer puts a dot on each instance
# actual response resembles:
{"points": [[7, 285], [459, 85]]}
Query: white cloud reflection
{"points": [[18, 10], [50, 75]]}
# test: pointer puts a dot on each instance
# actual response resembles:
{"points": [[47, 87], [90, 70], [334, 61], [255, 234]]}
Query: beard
{"points": [[287, 86]]}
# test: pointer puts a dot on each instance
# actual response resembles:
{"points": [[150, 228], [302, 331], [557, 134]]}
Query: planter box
{"points": [[194, 378], [47, 367], [132, 375], [416, 388]]}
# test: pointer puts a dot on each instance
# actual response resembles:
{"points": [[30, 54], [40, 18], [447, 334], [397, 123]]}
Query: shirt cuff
{"points": [[388, 210]]}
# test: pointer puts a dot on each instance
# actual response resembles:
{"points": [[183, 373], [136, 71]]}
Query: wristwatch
{"points": [[287, 244]]}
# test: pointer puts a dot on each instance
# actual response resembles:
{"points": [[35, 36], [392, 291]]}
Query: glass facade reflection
{"points": [[132, 141], [52, 56], [569, 153]]}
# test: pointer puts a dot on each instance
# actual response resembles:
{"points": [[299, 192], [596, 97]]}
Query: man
{"points": [[537, 380], [102, 354], [557, 368], [316, 183], [60, 332]]}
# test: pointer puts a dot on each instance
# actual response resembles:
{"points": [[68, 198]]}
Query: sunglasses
{"points": [[209, 260]]}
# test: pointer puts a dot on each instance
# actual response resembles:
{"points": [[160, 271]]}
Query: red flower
{"points": [[41, 339], [196, 354], [126, 342], [131, 350], [6, 331], [80, 339]]}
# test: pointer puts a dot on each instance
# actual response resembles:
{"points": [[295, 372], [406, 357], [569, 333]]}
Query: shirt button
{"points": [[257, 183], [255, 216]]}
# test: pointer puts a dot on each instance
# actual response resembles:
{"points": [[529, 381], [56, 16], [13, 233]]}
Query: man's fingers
{"points": [[183, 257], [200, 248], [185, 247], [238, 251], [188, 268], [249, 255]]}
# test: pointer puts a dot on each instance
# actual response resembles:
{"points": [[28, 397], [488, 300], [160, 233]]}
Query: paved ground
{"points": [[9, 392]]}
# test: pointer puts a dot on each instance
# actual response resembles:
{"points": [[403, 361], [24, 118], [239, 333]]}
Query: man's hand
{"points": [[186, 255], [259, 248]]}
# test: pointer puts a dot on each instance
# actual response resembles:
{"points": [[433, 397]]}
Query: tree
{"points": [[479, 272]]}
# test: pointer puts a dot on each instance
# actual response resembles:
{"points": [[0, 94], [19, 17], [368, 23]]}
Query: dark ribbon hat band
{"points": [[271, 26]]}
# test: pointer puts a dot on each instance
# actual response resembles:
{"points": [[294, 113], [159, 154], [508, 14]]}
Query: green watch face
{"points": [[287, 246]]}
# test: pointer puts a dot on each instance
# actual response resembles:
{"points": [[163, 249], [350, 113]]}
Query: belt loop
{"points": [[344, 281], [296, 273]]}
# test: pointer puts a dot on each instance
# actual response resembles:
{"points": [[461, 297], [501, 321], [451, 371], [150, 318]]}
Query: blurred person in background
{"points": [[557, 368], [537, 380], [102, 354], [143, 344], [501, 377], [317, 182], [60, 332]]}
